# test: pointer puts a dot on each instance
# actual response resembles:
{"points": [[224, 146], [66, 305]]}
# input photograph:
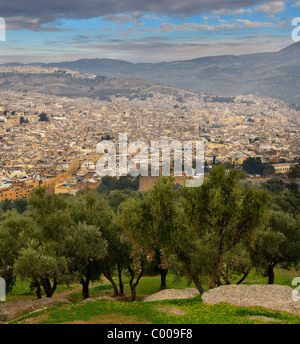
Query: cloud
{"points": [[49, 11], [296, 4], [253, 25], [165, 27], [157, 49], [138, 23], [225, 12], [33, 24], [223, 26], [122, 18], [271, 8], [143, 49]]}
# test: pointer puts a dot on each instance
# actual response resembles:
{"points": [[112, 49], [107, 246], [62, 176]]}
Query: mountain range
{"points": [[272, 74]]}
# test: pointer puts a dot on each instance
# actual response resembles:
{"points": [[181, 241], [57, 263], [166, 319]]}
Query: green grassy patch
{"points": [[190, 311], [195, 312]]}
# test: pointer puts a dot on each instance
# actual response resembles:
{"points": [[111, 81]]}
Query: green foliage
{"points": [[14, 230], [94, 209], [40, 262], [256, 166], [294, 172], [211, 235], [43, 117], [85, 249], [150, 221], [273, 185], [122, 183], [279, 244], [116, 198], [20, 205], [23, 120], [43, 255], [220, 215], [284, 197], [67, 241]]}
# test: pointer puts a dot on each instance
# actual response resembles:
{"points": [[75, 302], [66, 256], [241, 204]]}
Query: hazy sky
{"points": [[142, 30]]}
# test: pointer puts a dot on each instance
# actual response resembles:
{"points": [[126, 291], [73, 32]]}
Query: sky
{"points": [[143, 30]]}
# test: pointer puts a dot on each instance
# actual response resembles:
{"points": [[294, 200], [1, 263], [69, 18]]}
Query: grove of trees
{"points": [[210, 235], [256, 166]]}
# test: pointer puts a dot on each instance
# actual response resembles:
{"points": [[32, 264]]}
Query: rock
{"points": [[11, 310], [169, 294], [14, 309], [276, 297]]}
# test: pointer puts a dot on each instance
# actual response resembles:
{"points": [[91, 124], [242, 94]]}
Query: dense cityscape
{"points": [[35, 149]]}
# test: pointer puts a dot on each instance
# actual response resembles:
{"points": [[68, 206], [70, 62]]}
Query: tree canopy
{"points": [[212, 235]]}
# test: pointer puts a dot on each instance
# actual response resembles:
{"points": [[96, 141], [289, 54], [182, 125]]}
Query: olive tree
{"points": [[280, 244], [218, 216], [43, 256], [14, 230], [85, 249]]}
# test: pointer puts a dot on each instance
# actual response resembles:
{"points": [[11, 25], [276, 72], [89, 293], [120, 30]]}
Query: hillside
{"points": [[274, 75], [63, 83]]}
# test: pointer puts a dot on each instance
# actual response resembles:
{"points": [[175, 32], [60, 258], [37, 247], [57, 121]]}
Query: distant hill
{"points": [[275, 75], [62, 83]]}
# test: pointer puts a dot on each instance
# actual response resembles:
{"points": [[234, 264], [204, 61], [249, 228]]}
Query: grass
{"points": [[21, 290], [146, 286], [192, 311]]}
